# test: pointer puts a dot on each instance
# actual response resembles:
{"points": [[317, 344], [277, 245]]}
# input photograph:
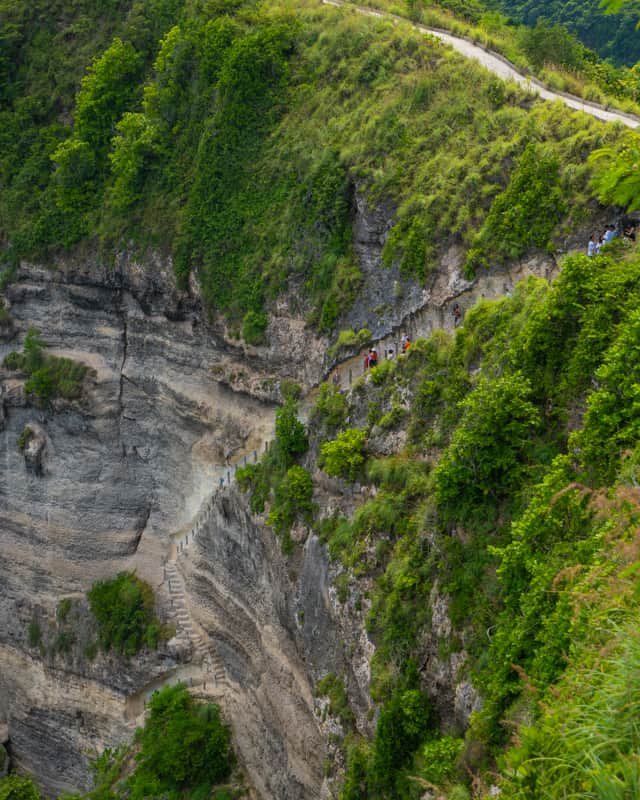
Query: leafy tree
{"points": [[291, 437], [182, 746], [612, 422], [616, 176], [344, 457], [292, 499], [124, 610], [551, 44], [331, 407], [485, 458], [254, 326], [403, 723], [105, 93]]}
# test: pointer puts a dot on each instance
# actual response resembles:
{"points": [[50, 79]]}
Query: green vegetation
{"points": [[234, 140], [515, 498], [332, 687], [183, 746], [49, 376], [183, 751], [63, 609], [277, 480], [17, 787], [34, 633], [612, 37], [331, 407], [350, 340], [24, 438], [124, 610], [344, 456]]}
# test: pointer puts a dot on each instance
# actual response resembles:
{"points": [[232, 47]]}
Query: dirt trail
{"points": [[499, 65]]}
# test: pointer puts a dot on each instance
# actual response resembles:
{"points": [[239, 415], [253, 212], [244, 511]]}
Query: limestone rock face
{"points": [[114, 482], [105, 484], [269, 622]]}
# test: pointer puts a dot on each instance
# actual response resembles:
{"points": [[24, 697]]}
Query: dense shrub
{"points": [[124, 610], [49, 376], [183, 745], [292, 500], [344, 456], [291, 438], [17, 787], [331, 407], [487, 454]]}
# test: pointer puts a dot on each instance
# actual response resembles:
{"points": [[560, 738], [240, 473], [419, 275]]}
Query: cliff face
{"points": [[269, 620], [115, 482], [115, 475]]}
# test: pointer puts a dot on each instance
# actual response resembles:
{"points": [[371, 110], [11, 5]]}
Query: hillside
{"points": [[236, 563], [612, 36]]}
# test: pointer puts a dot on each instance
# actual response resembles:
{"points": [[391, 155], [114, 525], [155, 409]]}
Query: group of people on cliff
{"points": [[371, 357], [596, 243]]}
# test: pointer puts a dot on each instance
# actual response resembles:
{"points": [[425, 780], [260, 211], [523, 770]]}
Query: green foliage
{"points": [[616, 178], [355, 782], [17, 787], [63, 609], [331, 407], [23, 439], [611, 424], [182, 746], [344, 456], [291, 438], [105, 92], [488, 451], [333, 687], [585, 744], [292, 500], [404, 721], [124, 610], [34, 633], [49, 376], [527, 212], [254, 326], [551, 44], [439, 758], [350, 340]]}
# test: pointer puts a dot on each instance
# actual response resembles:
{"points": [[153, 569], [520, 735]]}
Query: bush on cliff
{"points": [[184, 746], [49, 376], [124, 610], [17, 787]]}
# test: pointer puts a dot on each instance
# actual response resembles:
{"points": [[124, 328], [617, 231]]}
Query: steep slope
{"points": [[277, 172]]}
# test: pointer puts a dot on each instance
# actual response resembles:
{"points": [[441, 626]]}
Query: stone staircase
{"points": [[204, 652]]}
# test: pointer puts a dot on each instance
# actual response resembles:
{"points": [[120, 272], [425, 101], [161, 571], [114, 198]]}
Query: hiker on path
{"points": [[373, 357], [591, 247], [405, 342], [457, 315]]}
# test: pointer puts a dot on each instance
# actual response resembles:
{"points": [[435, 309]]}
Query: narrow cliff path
{"points": [[205, 674], [499, 65]]}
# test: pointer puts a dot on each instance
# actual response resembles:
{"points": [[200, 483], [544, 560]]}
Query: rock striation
{"points": [[114, 480]]}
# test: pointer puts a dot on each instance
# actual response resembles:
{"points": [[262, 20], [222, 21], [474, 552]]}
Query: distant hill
{"points": [[612, 36]]}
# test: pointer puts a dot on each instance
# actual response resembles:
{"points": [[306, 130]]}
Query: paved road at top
{"points": [[501, 67]]}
